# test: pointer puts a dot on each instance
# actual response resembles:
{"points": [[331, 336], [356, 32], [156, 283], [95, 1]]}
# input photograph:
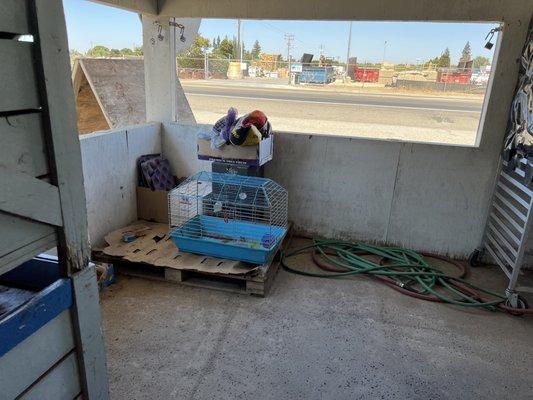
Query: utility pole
{"points": [[384, 52], [289, 38], [206, 64], [239, 46], [348, 51], [241, 43]]}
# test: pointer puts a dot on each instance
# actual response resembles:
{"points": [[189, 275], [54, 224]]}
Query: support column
{"points": [[159, 69], [165, 99]]}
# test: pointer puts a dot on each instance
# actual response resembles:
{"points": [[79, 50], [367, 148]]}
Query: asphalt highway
{"points": [[444, 119], [331, 97]]}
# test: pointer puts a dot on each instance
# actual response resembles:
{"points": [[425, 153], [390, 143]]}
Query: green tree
{"points": [[466, 54], [434, 60], [75, 53], [256, 50], [236, 50], [194, 56], [138, 51], [197, 49], [98, 51], [481, 61], [444, 59], [216, 43], [225, 49], [126, 52]]}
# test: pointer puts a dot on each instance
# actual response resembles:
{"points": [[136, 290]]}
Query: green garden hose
{"points": [[402, 269]]}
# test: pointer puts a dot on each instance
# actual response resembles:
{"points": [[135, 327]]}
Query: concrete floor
{"points": [[311, 339]]}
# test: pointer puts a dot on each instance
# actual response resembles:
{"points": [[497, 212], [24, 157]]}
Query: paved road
{"points": [[390, 116], [331, 97]]}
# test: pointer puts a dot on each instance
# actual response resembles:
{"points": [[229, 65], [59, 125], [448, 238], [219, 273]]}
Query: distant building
{"points": [[110, 94]]}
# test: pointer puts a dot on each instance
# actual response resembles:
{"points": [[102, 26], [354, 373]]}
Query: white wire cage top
{"points": [[248, 210]]}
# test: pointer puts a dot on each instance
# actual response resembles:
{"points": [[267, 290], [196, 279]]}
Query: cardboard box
{"points": [[238, 169], [249, 155], [152, 205]]}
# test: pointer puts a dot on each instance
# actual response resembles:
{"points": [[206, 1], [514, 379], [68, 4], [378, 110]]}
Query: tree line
{"points": [[103, 51], [444, 60], [222, 49]]}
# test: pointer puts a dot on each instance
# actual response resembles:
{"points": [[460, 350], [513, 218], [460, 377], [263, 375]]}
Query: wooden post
{"points": [[64, 154], [61, 132]]}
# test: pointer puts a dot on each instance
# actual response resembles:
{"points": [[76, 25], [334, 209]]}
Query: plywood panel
{"points": [[53, 341], [13, 16], [23, 149], [29, 197], [61, 383], [119, 88], [90, 115], [18, 86], [21, 239]]}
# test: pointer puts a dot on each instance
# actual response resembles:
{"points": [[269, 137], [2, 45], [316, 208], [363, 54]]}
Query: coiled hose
{"points": [[404, 270]]}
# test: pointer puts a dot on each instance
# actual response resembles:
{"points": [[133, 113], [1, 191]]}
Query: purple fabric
{"points": [[141, 181], [157, 173], [231, 118]]}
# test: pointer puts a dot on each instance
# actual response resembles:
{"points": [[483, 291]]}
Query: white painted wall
{"points": [[426, 197], [110, 175], [178, 143]]}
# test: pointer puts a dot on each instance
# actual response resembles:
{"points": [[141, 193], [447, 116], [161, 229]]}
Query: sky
{"points": [[89, 24]]}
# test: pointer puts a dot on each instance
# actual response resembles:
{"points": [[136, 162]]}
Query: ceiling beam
{"points": [[388, 10], [140, 6]]}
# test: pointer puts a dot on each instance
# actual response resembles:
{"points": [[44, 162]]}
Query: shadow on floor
{"points": [[311, 339]]}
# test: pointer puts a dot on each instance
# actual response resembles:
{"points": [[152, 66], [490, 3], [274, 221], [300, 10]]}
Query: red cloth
{"points": [[256, 118]]}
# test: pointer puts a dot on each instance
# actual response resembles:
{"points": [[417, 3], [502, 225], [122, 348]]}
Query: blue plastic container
{"points": [[212, 236]]}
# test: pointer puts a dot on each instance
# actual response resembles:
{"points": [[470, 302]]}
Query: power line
{"points": [[348, 51], [269, 25], [289, 39]]}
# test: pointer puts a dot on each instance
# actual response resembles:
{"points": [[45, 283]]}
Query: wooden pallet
{"points": [[257, 283]]}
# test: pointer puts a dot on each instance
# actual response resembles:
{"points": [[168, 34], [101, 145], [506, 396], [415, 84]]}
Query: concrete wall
{"points": [[110, 175], [178, 143], [425, 197]]}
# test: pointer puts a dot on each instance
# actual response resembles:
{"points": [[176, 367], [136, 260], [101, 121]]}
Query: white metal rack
{"points": [[508, 225]]}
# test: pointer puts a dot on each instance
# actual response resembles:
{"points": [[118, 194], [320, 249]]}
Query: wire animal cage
{"points": [[229, 216]]}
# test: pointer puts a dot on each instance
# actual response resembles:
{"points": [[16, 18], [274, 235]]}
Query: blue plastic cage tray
{"points": [[213, 236]]}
